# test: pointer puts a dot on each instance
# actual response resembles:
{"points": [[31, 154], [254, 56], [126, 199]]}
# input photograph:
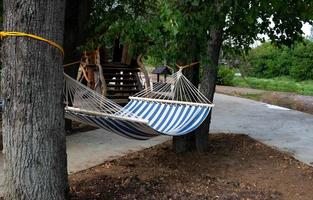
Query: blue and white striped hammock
{"points": [[143, 117]]}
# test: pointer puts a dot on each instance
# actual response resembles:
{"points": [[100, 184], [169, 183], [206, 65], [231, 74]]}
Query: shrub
{"points": [[268, 61], [302, 65], [225, 75]]}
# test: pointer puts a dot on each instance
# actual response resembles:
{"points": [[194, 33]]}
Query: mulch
{"points": [[235, 167]]}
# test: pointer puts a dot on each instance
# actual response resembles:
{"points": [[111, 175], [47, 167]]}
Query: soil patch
{"points": [[235, 167]]}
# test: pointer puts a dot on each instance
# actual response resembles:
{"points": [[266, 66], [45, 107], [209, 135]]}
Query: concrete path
{"points": [[85, 150], [284, 129]]}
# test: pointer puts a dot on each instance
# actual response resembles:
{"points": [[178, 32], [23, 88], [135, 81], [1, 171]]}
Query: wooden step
{"points": [[117, 97], [110, 69], [122, 91], [118, 75], [123, 88], [117, 64], [121, 80], [125, 85]]}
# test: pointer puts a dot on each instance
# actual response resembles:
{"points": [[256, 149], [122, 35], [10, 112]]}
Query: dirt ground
{"points": [[236, 167], [289, 100]]}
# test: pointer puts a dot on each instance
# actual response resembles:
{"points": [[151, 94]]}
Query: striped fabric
{"points": [[171, 119], [133, 130]]}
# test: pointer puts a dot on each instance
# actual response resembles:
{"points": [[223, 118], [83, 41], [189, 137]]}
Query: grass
{"points": [[282, 84]]}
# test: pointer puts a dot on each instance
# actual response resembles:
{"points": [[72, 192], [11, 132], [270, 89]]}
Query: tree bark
{"points": [[77, 15], [208, 84], [186, 143], [33, 116], [1, 142]]}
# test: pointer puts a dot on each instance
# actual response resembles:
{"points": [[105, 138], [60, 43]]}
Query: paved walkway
{"points": [[284, 129]]}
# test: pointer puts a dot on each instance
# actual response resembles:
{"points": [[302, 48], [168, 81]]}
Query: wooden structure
{"points": [[116, 77], [162, 70], [90, 72]]}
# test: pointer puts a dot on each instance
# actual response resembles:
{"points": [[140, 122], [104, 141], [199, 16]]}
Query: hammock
{"points": [[174, 108]]}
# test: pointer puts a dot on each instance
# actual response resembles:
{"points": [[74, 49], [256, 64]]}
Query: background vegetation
{"points": [[269, 61], [274, 68], [225, 75], [283, 84]]}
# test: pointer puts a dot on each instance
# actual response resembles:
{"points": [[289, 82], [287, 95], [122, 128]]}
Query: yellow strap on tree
{"points": [[20, 34]]}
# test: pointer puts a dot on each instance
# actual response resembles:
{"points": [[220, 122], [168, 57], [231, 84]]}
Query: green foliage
{"points": [[225, 75], [175, 30], [283, 84], [268, 61], [302, 61]]}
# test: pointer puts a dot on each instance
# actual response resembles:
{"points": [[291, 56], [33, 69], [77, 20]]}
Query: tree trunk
{"points": [[77, 15], [1, 142], [208, 84], [117, 50], [76, 31], [33, 116], [187, 142]]}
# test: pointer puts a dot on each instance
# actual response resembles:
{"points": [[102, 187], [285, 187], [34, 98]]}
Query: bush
{"points": [[302, 65], [269, 61], [225, 75]]}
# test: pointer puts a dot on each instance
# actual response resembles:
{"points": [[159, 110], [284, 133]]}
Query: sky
{"points": [[306, 28]]}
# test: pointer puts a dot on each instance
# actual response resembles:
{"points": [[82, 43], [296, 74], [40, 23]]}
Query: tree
{"points": [[32, 82], [167, 29], [239, 23], [234, 25], [77, 14]]}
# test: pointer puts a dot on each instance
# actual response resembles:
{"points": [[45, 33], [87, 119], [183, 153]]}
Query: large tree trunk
{"points": [[1, 142], [77, 15], [33, 116], [187, 142], [208, 83], [198, 140]]}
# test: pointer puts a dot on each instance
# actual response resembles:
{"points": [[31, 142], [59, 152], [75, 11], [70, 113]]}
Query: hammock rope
{"points": [[173, 108]]}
